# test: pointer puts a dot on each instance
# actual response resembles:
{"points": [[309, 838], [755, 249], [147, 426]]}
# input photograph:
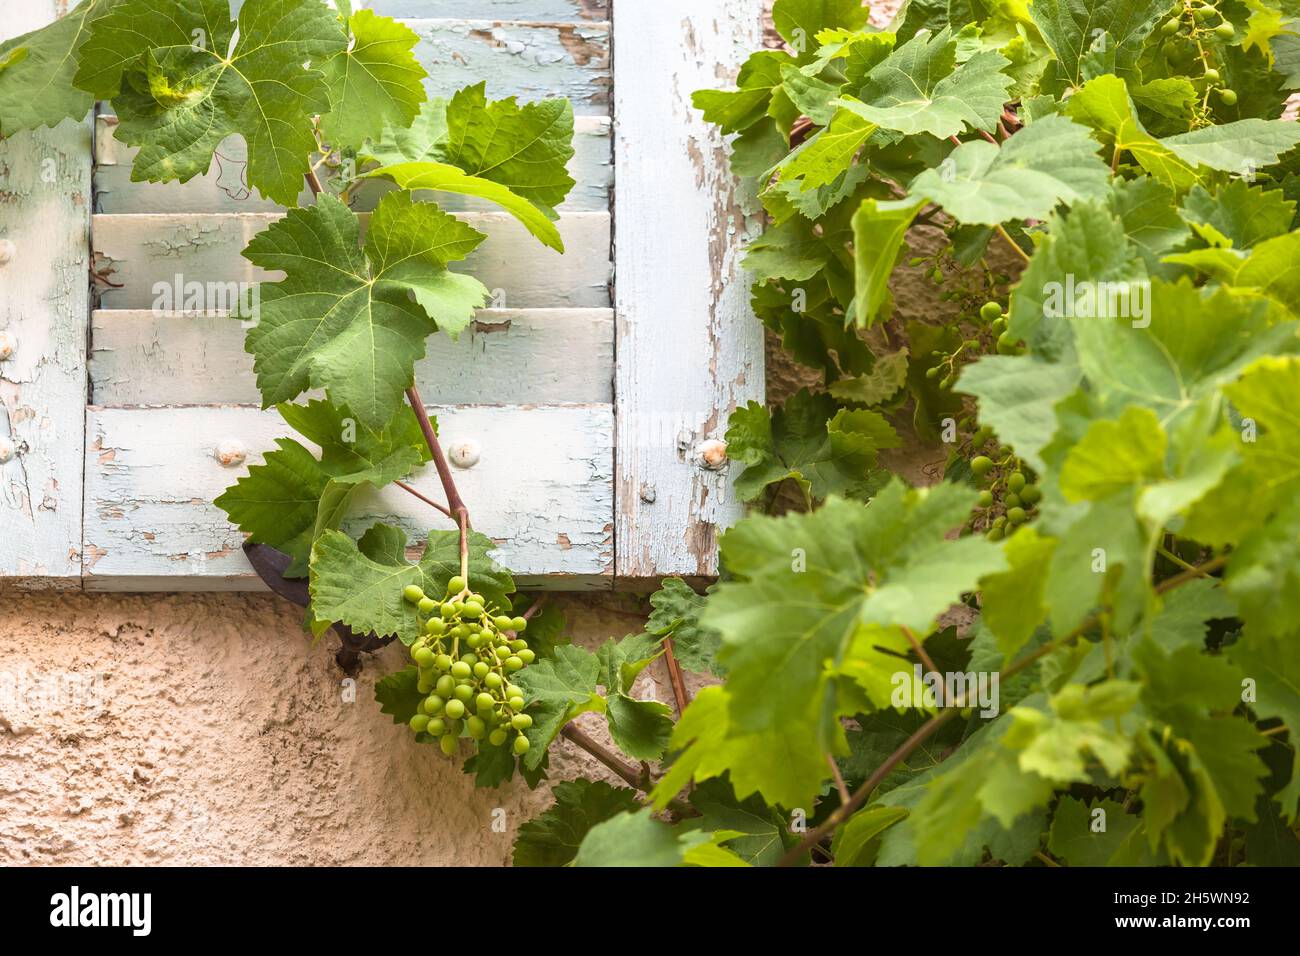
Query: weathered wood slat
{"points": [[529, 60], [525, 355], [223, 189], [45, 202], [546, 10], [151, 476], [142, 250], [688, 346]]}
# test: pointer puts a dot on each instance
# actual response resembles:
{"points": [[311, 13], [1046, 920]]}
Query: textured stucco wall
{"points": [[219, 735]]}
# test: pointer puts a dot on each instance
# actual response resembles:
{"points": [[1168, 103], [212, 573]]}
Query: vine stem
{"points": [[926, 730], [629, 773], [423, 497], [1006, 237], [675, 677]]}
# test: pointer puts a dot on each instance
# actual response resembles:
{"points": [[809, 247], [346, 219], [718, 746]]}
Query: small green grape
{"points": [[446, 684], [1170, 26], [497, 737], [442, 663], [434, 705], [517, 644], [481, 670], [448, 744], [423, 656], [516, 703], [456, 584], [1031, 494], [521, 745], [513, 663], [492, 681], [502, 622], [476, 727], [426, 605], [435, 626], [1203, 13], [1016, 515], [1015, 481], [419, 722], [455, 709], [460, 670], [1212, 75], [437, 727], [413, 593], [1227, 96], [475, 641], [995, 534], [527, 655], [469, 658], [473, 609], [1011, 500], [484, 702], [990, 311], [932, 372], [424, 685], [1225, 31], [448, 610], [981, 465], [521, 721], [519, 624], [985, 499], [463, 692], [513, 690]]}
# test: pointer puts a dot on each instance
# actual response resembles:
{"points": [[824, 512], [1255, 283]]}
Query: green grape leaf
{"points": [[1012, 602], [887, 376], [1090, 834], [443, 177], [342, 319], [36, 71], [805, 585], [375, 81], [1114, 455], [879, 241], [178, 93], [1186, 612], [1273, 663], [1150, 217], [1050, 161], [799, 21], [920, 88], [637, 839], [558, 689], [524, 148], [676, 614], [553, 838], [825, 157], [736, 110], [1070, 28], [360, 584], [641, 728], [422, 140], [785, 765], [764, 833], [853, 841], [398, 694], [1238, 214], [824, 449]]}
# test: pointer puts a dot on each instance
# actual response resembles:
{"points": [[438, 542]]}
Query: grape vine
{"points": [[1040, 253]]}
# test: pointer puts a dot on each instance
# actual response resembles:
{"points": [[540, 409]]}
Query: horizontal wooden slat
{"points": [[187, 358], [560, 10], [222, 188], [141, 250], [529, 60], [542, 489]]}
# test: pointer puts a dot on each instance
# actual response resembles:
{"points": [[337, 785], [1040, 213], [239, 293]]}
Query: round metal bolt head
{"points": [[6, 450], [464, 453], [7, 251], [712, 453], [7, 346], [231, 452]]}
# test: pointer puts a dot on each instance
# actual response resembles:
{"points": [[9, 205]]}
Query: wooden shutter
{"points": [[603, 389]]}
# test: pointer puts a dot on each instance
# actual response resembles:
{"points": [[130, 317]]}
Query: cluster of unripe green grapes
{"points": [[466, 654], [1185, 34], [947, 369], [1005, 484]]}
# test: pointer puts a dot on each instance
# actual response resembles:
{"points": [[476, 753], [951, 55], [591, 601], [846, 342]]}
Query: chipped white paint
{"points": [[688, 346], [223, 187], [44, 305], [505, 356], [561, 10], [7, 346], [7, 251], [530, 60], [522, 273], [151, 477]]}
